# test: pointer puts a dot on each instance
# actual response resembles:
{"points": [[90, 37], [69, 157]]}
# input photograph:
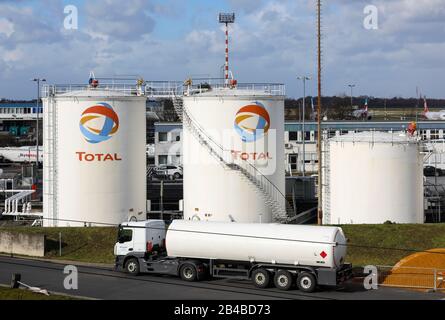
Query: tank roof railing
{"points": [[373, 136], [160, 89], [207, 85], [168, 89], [127, 89]]}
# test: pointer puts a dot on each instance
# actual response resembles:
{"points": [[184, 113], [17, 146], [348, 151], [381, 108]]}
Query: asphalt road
{"points": [[103, 283]]}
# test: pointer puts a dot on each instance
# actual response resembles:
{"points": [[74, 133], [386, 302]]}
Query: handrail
{"points": [[164, 88]]}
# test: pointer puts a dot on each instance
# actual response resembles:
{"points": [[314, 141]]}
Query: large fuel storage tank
{"points": [[233, 154], [372, 177], [94, 157]]}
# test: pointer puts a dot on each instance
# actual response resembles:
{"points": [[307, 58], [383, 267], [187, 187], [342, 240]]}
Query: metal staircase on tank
{"points": [[268, 191]]}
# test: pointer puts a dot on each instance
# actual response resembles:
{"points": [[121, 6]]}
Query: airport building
{"points": [[168, 140]]}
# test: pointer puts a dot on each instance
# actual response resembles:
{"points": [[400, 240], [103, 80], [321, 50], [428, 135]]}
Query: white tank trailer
{"points": [[94, 157], [373, 177], [258, 242], [283, 253], [233, 153]]}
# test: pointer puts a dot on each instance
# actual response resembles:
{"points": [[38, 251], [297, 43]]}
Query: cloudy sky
{"points": [[271, 41]]}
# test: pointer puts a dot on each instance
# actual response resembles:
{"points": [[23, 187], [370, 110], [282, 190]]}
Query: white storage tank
{"points": [[94, 157], [371, 178], [233, 153]]}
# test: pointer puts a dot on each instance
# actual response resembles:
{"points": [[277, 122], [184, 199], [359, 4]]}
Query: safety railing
{"points": [[165, 89], [125, 89], [254, 89]]}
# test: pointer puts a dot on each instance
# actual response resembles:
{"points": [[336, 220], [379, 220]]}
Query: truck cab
{"points": [[139, 240]]}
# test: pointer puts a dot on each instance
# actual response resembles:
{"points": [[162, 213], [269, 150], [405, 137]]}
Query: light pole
{"points": [[351, 86], [227, 18], [304, 78], [38, 80]]}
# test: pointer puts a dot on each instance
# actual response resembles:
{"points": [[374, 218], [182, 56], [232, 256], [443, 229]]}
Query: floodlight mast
{"points": [[226, 18]]}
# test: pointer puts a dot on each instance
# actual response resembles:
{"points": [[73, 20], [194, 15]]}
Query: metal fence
{"points": [[411, 277]]}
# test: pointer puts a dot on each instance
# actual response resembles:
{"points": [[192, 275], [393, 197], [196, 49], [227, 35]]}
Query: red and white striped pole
{"points": [[226, 18], [226, 67]]}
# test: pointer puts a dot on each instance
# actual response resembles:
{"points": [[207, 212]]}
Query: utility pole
{"points": [[320, 190], [351, 86], [304, 78], [386, 113]]}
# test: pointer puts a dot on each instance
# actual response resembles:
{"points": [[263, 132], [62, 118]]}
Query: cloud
{"points": [[270, 41], [6, 27], [21, 24], [123, 20]]}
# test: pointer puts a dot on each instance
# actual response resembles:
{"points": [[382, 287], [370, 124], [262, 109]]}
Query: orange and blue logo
{"points": [[252, 122], [99, 123]]}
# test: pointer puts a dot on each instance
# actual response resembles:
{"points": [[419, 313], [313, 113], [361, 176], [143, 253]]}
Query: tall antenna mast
{"points": [[226, 18], [320, 188]]}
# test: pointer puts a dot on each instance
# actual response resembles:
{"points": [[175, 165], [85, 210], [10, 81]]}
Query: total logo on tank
{"points": [[252, 122], [98, 123]]}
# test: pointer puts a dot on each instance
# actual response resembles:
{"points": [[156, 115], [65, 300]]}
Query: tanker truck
{"points": [[285, 255]]}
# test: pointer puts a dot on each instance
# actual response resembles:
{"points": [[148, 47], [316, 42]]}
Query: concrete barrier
{"points": [[22, 244]]}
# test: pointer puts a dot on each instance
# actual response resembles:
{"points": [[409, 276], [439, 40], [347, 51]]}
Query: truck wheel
{"points": [[176, 176], [261, 278], [188, 272], [283, 280], [306, 282], [132, 266]]}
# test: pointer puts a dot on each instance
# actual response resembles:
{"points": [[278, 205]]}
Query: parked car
{"points": [[173, 171], [430, 171]]}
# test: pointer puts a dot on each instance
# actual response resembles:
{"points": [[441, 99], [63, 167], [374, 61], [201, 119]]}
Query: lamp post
{"points": [[38, 80], [304, 78], [351, 86], [226, 18]]}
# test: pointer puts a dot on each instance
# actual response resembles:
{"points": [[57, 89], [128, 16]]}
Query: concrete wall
{"points": [[22, 244]]}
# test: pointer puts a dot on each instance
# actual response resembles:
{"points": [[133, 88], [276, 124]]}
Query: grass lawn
{"points": [[96, 244], [93, 244], [403, 236], [20, 294]]}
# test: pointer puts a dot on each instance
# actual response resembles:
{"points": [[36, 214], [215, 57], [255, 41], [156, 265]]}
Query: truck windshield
{"points": [[124, 235]]}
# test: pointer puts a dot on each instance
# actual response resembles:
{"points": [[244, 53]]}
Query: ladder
{"points": [[273, 197], [325, 153], [50, 161]]}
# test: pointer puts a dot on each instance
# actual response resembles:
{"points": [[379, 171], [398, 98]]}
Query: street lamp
{"points": [[38, 80], [351, 86], [304, 78]]}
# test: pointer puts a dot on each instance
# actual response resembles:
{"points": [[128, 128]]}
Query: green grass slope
{"points": [[368, 244]]}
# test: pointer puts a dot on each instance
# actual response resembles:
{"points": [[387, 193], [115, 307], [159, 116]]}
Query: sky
{"points": [[386, 52]]}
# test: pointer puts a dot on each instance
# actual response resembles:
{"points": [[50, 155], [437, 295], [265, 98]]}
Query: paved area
{"points": [[104, 283]]}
